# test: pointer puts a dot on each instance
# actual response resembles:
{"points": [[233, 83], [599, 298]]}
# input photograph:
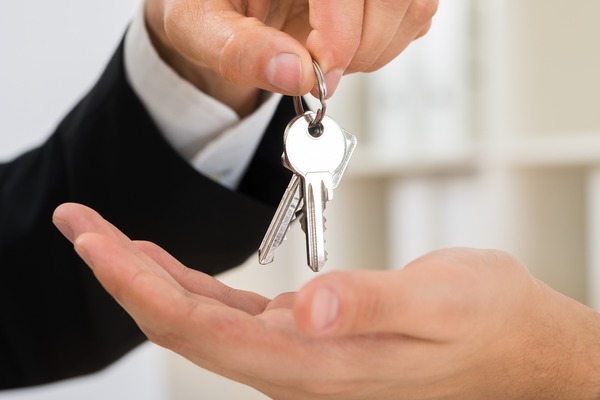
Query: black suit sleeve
{"points": [[56, 320]]}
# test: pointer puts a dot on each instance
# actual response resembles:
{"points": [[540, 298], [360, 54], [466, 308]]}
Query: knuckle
{"points": [[343, 45], [161, 338], [176, 12], [360, 64], [423, 10], [392, 9], [326, 386], [370, 66], [363, 306], [507, 262], [424, 30], [237, 58], [228, 58]]}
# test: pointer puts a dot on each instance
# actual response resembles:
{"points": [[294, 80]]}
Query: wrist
{"points": [[587, 354], [570, 354]]}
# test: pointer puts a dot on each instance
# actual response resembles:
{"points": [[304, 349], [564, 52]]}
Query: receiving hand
{"points": [[454, 324]]}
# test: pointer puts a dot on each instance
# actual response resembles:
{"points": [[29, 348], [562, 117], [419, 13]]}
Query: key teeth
{"points": [[303, 223]]}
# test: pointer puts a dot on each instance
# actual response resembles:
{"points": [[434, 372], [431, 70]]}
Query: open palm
{"points": [[436, 329]]}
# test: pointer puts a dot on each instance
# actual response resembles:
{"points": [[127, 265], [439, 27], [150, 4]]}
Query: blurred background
{"points": [[484, 133]]}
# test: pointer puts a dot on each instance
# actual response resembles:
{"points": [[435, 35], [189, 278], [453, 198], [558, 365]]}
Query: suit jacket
{"points": [[56, 320]]}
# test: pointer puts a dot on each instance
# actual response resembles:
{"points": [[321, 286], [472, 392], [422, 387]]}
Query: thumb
{"points": [[242, 50], [344, 302], [407, 301]]}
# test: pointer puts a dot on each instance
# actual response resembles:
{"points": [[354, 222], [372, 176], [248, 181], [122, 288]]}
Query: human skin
{"points": [[454, 324], [229, 49]]}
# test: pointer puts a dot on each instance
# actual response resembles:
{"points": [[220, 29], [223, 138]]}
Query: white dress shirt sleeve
{"points": [[205, 132]]}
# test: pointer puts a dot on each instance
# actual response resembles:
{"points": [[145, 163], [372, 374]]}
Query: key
{"points": [[320, 154], [291, 204], [308, 192], [285, 214]]}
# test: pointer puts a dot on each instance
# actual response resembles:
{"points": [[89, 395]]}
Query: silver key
{"points": [[308, 192], [319, 154], [280, 224], [292, 203]]}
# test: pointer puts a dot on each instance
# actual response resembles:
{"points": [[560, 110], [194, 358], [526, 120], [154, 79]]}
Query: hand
{"points": [[454, 324], [268, 44]]}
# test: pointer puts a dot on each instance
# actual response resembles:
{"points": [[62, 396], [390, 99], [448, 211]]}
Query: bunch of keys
{"points": [[317, 151]]}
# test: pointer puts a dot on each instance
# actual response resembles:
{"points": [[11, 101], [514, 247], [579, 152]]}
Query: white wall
{"points": [[52, 51]]}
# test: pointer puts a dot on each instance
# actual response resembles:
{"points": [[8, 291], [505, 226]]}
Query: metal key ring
{"points": [[322, 95]]}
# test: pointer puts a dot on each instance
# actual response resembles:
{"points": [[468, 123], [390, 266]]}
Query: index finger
{"points": [[336, 35]]}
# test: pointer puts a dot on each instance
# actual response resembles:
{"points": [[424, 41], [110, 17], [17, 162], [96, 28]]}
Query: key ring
{"points": [[322, 95]]}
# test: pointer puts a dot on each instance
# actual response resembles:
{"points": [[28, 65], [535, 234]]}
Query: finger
{"points": [[122, 270], [336, 35], [424, 30], [167, 313], [222, 339], [76, 219], [72, 219], [203, 284], [415, 24], [216, 337], [283, 301], [381, 22], [425, 302], [201, 328], [242, 50]]}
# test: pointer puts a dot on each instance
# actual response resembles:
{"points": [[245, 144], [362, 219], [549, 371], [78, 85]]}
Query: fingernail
{"points": [[64, 228], [332, 80], [325, 309], [284, 71]]}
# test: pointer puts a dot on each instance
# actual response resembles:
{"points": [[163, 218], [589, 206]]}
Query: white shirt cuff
{"points": [[206, 133]]}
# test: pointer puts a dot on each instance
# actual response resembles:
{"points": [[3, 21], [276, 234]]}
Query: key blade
{"points": [[280, 224], [321, 160], [317, 191]]}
